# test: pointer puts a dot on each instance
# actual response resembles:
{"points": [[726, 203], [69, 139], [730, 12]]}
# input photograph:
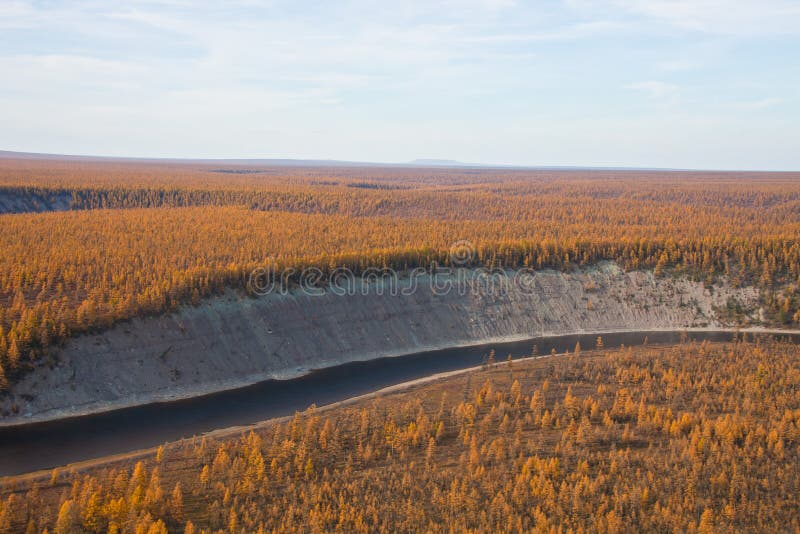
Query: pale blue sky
{"points": [[681, 83]]}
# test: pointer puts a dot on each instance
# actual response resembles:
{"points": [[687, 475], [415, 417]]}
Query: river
{"points": [[52, 444]]}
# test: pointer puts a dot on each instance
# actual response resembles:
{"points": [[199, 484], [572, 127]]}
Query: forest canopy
{"points": [[697, 437], [104, 242]]}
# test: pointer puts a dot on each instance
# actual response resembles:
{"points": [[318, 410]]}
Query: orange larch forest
{"points": [[86, 244]]}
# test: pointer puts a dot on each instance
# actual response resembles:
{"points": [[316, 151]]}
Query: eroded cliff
{"points": [[232, 341]]}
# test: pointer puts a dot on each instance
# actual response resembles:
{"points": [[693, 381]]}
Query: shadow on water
{"points": [[46, 445]]}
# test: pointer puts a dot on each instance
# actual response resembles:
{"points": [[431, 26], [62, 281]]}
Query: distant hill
{"points": [[289, 162], [442, 163]]}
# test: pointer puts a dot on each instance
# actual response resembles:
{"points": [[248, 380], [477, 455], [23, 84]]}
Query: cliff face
{"points": [[233, 341], [22, 200]]}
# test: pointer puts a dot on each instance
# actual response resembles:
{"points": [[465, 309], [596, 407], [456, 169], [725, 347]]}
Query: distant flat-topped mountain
{"points": [[440, 163]]}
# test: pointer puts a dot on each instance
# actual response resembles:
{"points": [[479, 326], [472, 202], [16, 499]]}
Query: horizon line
{"points": [[326, 162]]}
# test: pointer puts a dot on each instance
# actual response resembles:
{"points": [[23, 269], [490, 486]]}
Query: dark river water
{"points": [[52, 444]]}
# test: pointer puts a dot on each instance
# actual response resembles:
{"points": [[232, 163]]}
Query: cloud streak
{"points": [[656, 89]]}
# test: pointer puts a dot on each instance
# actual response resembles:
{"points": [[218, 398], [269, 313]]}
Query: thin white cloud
{"points": [[678, 65], [745, 18], [566, 33], [655, 89], [44, 73], [16, 14], [762, 103], [740, 17]]}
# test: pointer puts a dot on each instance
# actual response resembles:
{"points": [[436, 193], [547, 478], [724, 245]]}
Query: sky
{"points": [[706, 84]]}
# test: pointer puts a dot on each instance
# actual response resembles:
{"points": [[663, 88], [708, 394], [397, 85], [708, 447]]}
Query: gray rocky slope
{"points": [[232, 341]]}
